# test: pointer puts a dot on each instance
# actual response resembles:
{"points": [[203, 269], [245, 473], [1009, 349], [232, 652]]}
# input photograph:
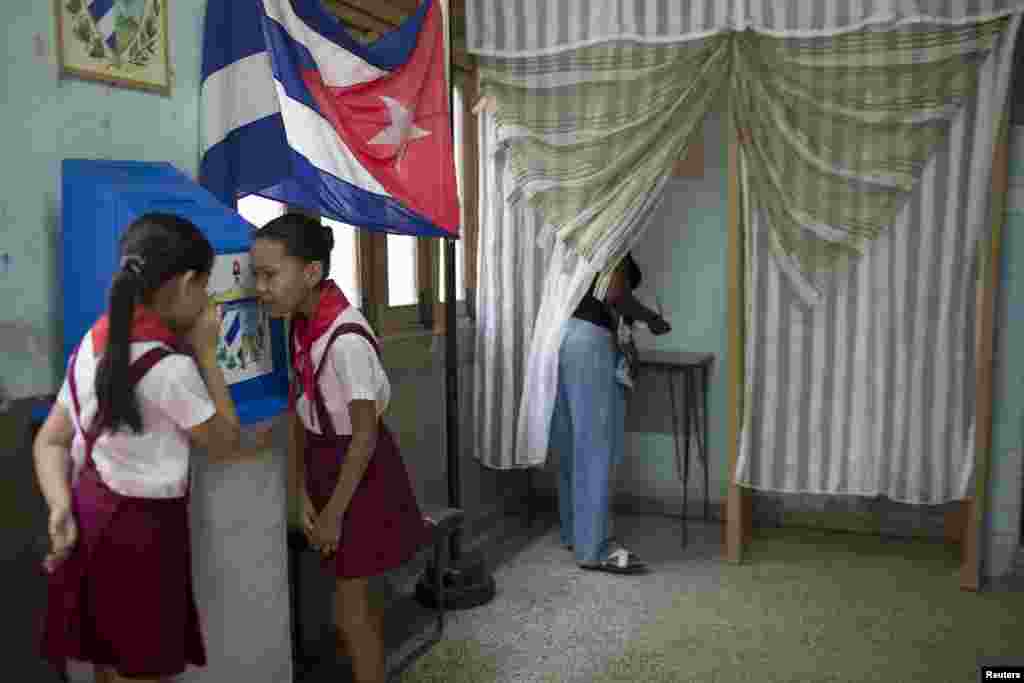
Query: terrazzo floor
{"points": [[552, 620]]}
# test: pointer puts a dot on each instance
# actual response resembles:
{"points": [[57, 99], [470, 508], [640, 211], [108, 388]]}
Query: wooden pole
{"points": [[989, 250], [737, 506]]}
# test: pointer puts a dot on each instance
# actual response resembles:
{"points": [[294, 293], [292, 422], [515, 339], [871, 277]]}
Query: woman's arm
{"points": [[620, 297], [617, 285], [51, 451], [628, 306]]}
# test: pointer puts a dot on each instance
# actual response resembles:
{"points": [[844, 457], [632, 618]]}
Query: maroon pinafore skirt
{"points": [[123, 599], [383, 526]]}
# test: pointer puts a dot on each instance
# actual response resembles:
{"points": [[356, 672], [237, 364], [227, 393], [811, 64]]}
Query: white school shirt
{"points": [[172, 398], [353, 373]]}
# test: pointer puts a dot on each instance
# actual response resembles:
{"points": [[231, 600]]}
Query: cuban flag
{"points": [[105, 17], [296, 110]]}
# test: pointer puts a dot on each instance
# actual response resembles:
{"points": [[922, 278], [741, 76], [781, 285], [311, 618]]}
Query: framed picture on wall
{"points": [[120, 42]]}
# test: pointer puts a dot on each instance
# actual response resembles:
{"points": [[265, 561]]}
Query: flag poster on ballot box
{"points": [[244, 347]]}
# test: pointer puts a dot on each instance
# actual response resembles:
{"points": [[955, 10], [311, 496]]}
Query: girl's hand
{"points": [[63, 536], [264, 438], [205, 333], [327, 531], [257, 443]]}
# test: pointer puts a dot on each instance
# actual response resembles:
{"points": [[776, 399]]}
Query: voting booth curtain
{"points": [[842, 108]]}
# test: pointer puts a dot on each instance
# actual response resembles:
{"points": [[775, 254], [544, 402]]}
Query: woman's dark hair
{"points": [[155, 248], [303, 238]]}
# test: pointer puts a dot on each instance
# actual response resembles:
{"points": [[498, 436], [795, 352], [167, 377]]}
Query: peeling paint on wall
{"points": [[24, 346]]}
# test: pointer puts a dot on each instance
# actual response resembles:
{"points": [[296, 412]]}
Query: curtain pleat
{"points": [[872, 392]]}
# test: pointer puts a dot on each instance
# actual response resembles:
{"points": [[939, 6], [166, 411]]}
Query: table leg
{"points": [[705, 374], [675, 438], [687, 432], [532, 498]]}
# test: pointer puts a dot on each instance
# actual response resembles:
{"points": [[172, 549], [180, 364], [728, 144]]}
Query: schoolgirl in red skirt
{"points": [[140, 387], [359, 507]]}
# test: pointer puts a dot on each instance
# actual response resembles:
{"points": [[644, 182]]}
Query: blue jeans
{"points": [[588, 433]]}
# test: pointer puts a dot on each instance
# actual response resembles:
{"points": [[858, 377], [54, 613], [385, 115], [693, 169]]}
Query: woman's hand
{"points": [[327, 531], [63, 536], [659, 326]]}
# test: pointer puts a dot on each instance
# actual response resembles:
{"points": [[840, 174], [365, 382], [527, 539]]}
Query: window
{"points": [[401, 250], [344, 260]]}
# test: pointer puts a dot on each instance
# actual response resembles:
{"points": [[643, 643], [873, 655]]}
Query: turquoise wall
{"points": [[683, 257], [47, 120], [1008, 388]]}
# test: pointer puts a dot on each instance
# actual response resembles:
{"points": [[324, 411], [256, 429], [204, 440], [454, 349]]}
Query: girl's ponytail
{"points": [[156, 248], [114, 393]]}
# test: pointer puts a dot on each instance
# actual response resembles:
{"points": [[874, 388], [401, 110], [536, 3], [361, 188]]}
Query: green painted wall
{"points": [[47, 120], [683, 256], [1008, 417]]}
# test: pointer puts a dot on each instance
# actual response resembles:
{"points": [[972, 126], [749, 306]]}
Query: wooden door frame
{"points": [[738, 517], [966, 527], [985, 329]]}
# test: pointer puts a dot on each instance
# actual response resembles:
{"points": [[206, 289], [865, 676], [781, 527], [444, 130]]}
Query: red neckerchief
{"points": [[146, 326], [331, 304]]}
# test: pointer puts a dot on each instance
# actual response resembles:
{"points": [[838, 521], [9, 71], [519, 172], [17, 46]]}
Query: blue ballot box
{"points": [[100, 200]]}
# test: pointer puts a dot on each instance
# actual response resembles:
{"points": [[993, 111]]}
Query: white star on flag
{"points": [[402, 129]]}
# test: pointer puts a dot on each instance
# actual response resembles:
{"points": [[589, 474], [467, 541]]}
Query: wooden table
{"points": [[696, 371]]}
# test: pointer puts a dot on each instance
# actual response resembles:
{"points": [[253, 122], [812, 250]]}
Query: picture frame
{"points": [[123, 43]]}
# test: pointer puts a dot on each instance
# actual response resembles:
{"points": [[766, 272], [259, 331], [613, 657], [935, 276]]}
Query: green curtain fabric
{"points": [[840, 130], [591, 131]]}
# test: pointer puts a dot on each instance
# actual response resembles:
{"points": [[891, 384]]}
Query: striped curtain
{"points": [[841, 129], [526, 28], [530, 28], [591, 132], [528, 285], [511, 265], [871, 393], [538, 58]]}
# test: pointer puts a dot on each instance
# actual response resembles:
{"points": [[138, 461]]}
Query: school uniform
{"points": [[123, 598], [336, 360]]}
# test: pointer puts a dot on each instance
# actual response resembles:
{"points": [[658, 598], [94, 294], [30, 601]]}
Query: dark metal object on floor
{"points": [[466, 582], [465, 585]]}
